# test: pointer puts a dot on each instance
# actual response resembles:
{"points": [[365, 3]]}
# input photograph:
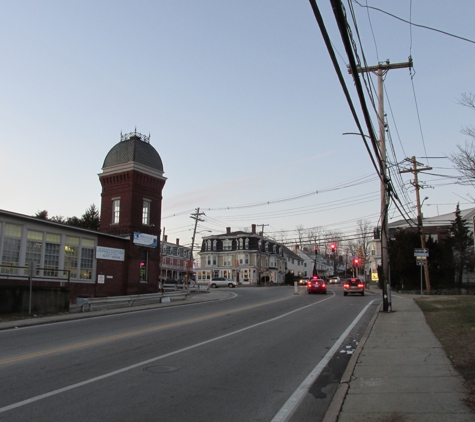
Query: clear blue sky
{"points": [[241, 101]]}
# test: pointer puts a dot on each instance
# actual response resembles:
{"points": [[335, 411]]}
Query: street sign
{"points": [[421, 251], [420, 262]]}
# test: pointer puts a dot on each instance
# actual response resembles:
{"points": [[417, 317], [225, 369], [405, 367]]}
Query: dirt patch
{"points": [[452, 320]]}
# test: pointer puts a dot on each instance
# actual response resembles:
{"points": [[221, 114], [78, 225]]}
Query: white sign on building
{"points": [[110, 253], [144, 239]]}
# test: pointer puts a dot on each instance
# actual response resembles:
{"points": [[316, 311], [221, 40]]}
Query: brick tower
{"points": [[132, 182]]}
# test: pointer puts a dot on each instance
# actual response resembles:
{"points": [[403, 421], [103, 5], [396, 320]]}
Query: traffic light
{"points": [[333, 247], [356, 262], [316, 250]]}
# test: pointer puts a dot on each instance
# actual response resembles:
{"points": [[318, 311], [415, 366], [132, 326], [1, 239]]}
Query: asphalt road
{"points": [[266, 354]]}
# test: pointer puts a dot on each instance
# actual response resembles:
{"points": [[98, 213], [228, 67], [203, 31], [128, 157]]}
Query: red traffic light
{"points": [[356, 261], [333, 247], [315, 249]]}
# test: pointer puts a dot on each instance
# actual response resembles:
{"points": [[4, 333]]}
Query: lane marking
{"points": [[134, 333], [290, 406], [148, 361]]}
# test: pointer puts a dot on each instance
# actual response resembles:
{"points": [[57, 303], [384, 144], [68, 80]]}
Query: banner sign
{"points": [[110, 253], [142, 239]]}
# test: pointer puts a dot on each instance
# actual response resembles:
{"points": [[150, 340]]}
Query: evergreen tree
{"points": [[91, 218], [461, 241], [43, 215]]}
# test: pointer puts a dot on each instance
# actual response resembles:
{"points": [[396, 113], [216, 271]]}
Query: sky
{"points": [[241, 101]]}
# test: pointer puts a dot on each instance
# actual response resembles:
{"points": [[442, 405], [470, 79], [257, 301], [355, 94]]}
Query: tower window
{"points": [[146, 212], [115, 211]]}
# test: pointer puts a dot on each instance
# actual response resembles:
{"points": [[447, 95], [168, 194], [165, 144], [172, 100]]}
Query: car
{"points": [[334, 280], [316, 285], [222, 282], [353, 285], [302, 281]]}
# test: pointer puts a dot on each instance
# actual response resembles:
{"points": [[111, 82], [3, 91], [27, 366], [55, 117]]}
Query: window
{"points": [[11, 248], [227, 244], [34, 246], [51, 260], [246, 243], [71, 255], [87, 259], [115, 211], [146, 212]]}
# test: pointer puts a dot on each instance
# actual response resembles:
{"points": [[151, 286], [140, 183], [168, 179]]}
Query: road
{"points": [[265, 354]]}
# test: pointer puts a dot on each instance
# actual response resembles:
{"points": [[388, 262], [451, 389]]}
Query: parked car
{"points": [[316, 285], [334, 280], [353, 285], [222, 282]]}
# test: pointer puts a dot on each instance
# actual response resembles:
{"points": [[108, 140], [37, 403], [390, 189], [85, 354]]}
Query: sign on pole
{"points": [[421, 251]]}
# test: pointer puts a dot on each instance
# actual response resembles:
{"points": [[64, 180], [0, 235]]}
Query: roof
{"points": [[439, 220], [37, 220], [134, 149], [288, 252]]}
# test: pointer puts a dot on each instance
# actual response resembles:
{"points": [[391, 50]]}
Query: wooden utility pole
{"points": [[420, 227], [380, 70], [196, 216], [260, 253]]}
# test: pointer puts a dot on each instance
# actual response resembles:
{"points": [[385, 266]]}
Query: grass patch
{"points": [[452, 320]]}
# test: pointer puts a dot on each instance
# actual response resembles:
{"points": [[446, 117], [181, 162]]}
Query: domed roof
{"points": [[134, 147]]}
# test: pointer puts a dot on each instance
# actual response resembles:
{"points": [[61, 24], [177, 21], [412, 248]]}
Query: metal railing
{"points": [[130, 300]]}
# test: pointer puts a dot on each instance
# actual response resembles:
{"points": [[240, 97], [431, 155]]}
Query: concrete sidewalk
{"points": [[400, 373]]}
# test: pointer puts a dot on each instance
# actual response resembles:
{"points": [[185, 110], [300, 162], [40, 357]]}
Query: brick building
{"points": [[122, 258]]}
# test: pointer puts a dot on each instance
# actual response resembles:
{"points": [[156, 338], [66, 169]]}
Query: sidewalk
{"points": [[400, 373]]}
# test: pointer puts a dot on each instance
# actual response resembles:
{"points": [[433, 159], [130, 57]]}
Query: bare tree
{"points": [[464, 159], [300, 234], [364, 231]]}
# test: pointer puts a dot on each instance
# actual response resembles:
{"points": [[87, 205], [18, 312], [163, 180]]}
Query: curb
{"points": [[338, 399]]}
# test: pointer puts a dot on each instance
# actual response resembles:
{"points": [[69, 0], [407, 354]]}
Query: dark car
{"points": [[353, 285], [316, 285]]}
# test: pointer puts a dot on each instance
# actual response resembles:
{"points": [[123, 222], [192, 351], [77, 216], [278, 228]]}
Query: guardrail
{"points": [[194, 287], [130, 300]]}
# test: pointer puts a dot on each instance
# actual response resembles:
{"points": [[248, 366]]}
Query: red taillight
{"points": [[346, 285], [360, 285]]}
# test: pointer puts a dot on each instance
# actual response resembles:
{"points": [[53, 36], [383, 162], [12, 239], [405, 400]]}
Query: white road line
{"points": [[295, 399], [146, 362]]}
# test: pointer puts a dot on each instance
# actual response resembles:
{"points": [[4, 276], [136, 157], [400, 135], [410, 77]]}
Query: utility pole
{"points": [[260, 253], [380, 70], [415, 183], [197, 217]]}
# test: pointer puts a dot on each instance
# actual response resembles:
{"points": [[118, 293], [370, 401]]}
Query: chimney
{"points": [[178, 241], [165, 237], [253, 228], [228, 230]]}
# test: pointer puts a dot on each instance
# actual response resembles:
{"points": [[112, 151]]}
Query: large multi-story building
{"points": [[245, 257], [122, 258], [176, 264]]}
